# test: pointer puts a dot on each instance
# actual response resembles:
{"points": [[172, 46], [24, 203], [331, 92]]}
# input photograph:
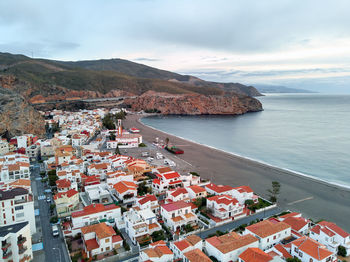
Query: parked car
{"points": [[150, 159], [48, 200], [144, 154], [55, 231], [159, 156]]}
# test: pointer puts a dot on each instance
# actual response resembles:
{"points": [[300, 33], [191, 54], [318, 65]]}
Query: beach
{"points": [[314, 198]]}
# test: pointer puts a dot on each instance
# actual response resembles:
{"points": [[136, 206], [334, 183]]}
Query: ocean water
{"points": [[305, 133]]}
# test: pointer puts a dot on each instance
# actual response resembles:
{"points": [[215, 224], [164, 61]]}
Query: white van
{"points": [[144, 154], [55, 231], [159, 156]]}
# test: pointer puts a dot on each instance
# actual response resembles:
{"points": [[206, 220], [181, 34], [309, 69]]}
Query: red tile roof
{"points": [[219, 188], [224, 199], [63, 183], [267, 228], [93, 209], [283, 251], [175, 205], [147, 198], [124, 186], [69, 194], [91, 244], [312, 248], [178, 192], [171, 175], [333, 227], [296, 223], [197, 189], [182, 244], [246, 189], [254, 254], [101, 230]]}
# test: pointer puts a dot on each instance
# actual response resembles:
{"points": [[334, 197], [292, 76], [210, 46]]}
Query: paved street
{"points": [[236, 223], [54, 247]]}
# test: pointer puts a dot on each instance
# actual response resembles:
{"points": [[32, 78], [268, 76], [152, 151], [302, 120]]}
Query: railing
{"points": [[19, 201], [6, 246], [21, 240], [7, 255], [22, 250]]}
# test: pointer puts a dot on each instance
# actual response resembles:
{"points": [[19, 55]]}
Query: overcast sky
{"points": [[301, 43]]}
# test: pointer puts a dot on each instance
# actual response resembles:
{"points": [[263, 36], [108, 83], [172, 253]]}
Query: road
{"points": [[54, 247], [236, 223]]}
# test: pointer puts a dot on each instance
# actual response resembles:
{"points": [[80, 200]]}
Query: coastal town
{"points": [[95, 190]]}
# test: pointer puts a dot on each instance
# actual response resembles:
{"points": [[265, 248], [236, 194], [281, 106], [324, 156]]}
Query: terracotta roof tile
{"points": [[254, 254]]}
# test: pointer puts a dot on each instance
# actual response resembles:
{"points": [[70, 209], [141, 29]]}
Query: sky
{"points": [[296, 43]]}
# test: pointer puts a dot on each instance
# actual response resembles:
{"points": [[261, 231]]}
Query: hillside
{"points": [[17, 117], [279, 89], [143, 71], [41, 81]]}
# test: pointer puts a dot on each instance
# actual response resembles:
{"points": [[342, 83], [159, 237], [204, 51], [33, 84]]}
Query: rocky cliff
{"points": [[17, 117], [194, 104]]}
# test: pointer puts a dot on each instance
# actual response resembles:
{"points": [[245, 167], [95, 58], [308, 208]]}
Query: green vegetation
{"points": [[204, 214], [188, 228], [261, 204], [142, 145], [109, 121], [111, 135], [158, 235], [77, 257], [143, 189], [194, 174], [153, 110], [52, 177], [341, 251], [200, 202], [274, 191], [53, 220], [294, 259], [117, 151], [52, 206], [167, 231]]}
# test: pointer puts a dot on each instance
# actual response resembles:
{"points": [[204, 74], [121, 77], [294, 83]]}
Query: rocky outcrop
{"points": [[17, 117], [194, 104]]}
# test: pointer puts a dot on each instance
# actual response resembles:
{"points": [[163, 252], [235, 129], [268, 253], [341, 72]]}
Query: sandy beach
{"points": [[314, 198]]}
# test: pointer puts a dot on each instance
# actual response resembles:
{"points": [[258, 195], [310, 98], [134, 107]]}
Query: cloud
{"points": [[145, 59]]}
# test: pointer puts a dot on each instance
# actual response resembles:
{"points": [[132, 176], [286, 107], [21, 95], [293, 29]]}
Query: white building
{"points": [[243, 193], [331, 235], [100, 238], [228, 247], [148, 202], [135, 226], [269, 233], [307, 249], [196, 192], [98, 194], [16, 242], [4, 147], [166, 181], [177, 194], [176, 215], [96, 213], [157, 252], [225, 207], [181, 247], [17, 205], [213, 189]]}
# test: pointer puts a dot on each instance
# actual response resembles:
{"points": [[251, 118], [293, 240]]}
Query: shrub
{"points": [[341, 251], [142, 145], [54, 220], [158, 235]]}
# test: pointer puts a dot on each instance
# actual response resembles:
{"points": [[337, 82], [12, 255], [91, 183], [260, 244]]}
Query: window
{"points": [[18, 207], [311, 260], [274, 237], [300, 254], [19, 215], [107, 248], [107, 240]]}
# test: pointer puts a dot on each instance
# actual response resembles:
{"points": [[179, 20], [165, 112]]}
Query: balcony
{"points": [[6, 255], [22, 250], [21, 240], [5, 246]]}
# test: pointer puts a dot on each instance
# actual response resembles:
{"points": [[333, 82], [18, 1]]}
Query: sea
{"points": [[305, 133]]}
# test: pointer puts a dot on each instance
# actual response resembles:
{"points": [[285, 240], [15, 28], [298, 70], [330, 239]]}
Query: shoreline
{"points": [[254, 161], [313, 198]]}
